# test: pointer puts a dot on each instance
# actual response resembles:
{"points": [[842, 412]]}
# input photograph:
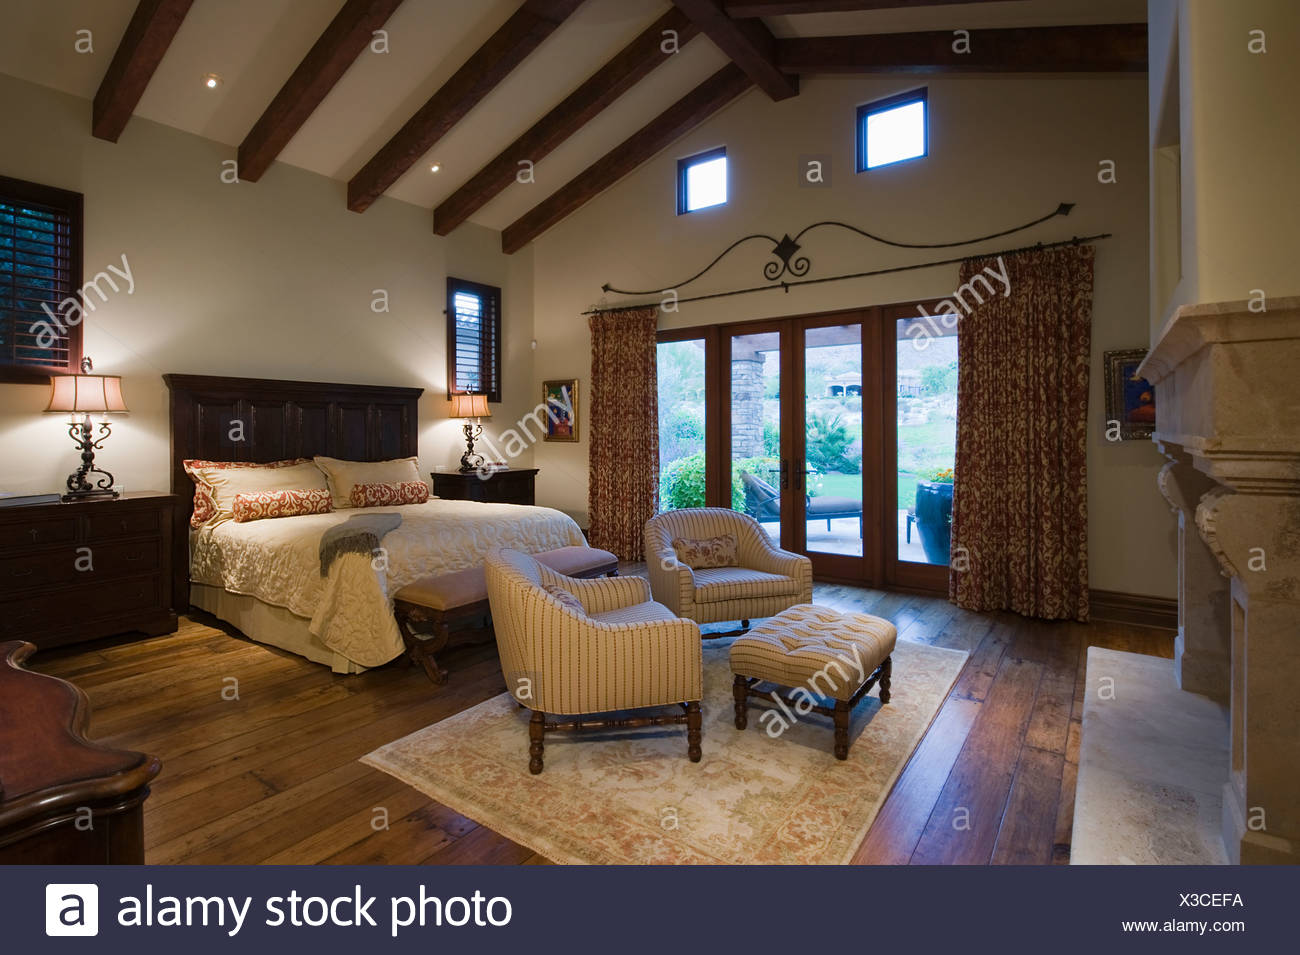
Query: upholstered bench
{"points": [[821, 652], [451, 600]]}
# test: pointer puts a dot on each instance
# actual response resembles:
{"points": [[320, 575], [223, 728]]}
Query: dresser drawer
{"points": [[85, 564], [119, 523], [88, 603], [24, 535]]}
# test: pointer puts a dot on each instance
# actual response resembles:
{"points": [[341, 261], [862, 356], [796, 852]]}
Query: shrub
{"points": [[681, 483], [828, 442]]}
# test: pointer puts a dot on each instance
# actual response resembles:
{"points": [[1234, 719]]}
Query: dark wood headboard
{"points": [[261, 419]]}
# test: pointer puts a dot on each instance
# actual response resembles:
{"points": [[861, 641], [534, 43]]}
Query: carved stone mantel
{"points": [[1228, 418]]}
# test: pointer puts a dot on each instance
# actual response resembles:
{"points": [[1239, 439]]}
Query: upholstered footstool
{"points": [[816, 652]]}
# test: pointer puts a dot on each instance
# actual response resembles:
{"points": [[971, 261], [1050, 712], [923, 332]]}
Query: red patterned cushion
{"points": [[264, 504], [205, 505], [386, 495], [702, 554]]}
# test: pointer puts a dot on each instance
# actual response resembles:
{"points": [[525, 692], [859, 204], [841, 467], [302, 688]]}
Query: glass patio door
{"points": [[757, 438]]}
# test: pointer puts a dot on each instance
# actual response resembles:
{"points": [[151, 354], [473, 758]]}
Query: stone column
{"points": [[1202, 662], [1256, 537], [746, 404]]}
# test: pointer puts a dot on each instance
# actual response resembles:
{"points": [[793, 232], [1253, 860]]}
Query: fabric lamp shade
{"points": [[84, 394], [470, 406]]}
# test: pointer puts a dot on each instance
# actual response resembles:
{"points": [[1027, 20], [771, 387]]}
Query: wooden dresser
{"points": [[71, 572], [509, 486], [63, 799]]}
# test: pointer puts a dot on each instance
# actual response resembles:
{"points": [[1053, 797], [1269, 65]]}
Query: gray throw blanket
{"points": [[360, 534]]}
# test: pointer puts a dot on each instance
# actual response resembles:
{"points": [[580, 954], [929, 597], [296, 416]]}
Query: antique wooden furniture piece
{"points": [[507, 486], [610, 649], [460, 601], [63, 799], [818, 652], [71, 572], [261, 420]]}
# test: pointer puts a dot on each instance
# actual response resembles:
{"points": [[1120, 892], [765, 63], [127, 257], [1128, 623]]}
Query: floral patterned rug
{"points": [[637, 799]]}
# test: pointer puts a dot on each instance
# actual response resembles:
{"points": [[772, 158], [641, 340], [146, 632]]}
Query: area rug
{"points": [[637, 799]]}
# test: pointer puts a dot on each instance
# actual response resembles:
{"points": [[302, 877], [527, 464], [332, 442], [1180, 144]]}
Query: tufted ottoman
{"points": [[816, 652]]}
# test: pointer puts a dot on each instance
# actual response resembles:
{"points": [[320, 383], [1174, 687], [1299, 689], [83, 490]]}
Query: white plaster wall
{"points": [[1003, 150], [272, 279]]}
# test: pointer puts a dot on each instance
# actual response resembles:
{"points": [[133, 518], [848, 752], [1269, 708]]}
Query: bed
{"points": [[262, 577]]}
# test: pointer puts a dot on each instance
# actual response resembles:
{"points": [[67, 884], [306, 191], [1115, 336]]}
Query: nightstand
{"points": [[507, 486], [89, 569]]}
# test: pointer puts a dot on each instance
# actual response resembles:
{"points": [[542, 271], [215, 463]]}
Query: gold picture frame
{"points": [[560, 399]]}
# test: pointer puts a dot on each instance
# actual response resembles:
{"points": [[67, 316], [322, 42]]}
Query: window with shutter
{"points": [[40, 267], [473, 339]]}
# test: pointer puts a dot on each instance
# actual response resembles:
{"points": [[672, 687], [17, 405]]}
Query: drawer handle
{"points": [[137, 555], [124, 523], [21, 573], [35, 532]]}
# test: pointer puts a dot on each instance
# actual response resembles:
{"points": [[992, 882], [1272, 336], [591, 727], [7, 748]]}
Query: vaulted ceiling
{"points": [[473, 85]]}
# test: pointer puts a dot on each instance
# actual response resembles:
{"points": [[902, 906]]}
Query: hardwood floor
{"points": [[260, 748]]}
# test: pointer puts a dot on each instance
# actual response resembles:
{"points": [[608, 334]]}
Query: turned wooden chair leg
{"points": [[842, 713], [740, 693], [744, 625], [694, 721], [886, 669], [536, 734]]}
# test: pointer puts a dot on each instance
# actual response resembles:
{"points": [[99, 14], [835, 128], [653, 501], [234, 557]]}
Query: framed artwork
{"points": [[561, 401], [1130, 399]]}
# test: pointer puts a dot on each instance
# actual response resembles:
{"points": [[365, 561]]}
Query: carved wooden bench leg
{"points": [[694, 721], [420, 651], [536, 736], [886, 670], [740, 693], [843, 712]]}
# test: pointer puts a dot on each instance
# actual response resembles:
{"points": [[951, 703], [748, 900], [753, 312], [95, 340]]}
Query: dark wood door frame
{"points": [[879, 564]]}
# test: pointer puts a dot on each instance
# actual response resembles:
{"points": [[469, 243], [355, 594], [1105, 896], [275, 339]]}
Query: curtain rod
{"points": [[786, 286]]}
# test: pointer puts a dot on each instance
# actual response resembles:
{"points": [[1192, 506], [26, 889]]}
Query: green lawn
{"points": [[850, 485]]}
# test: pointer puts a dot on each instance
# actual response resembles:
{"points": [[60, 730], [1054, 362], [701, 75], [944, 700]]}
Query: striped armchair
{"points": [[610, 649], [767, 580]]}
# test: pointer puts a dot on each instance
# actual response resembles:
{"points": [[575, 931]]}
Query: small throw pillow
{"points": [[261, 505], [566, 598], [386, 495], [344, 475], [702, 554]]}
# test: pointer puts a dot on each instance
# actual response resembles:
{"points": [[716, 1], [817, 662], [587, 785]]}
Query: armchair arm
{"points": [[603, 594], [671, 581], [757, 552]]}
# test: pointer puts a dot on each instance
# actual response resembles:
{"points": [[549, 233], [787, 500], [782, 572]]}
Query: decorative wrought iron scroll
{"points": [[787, 261]]}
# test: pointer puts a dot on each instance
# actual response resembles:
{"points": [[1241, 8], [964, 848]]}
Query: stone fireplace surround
{"points": [[1227, 379]]}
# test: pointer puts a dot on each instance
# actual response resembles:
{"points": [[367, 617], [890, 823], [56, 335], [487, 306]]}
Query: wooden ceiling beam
{"points": [[670, 125], [748, 43], [1119, 48], [632, 64], [143, 45], [348, 34], [479, 75], [775, 8]]}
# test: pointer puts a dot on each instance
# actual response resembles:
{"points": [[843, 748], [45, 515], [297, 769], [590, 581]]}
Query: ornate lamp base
{"points": [[79, 488], [469, 461]]}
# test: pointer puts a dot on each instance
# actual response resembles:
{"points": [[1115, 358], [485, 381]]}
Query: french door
{"points": [[796, 422]]}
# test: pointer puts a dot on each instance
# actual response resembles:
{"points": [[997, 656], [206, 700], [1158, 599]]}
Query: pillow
{"points": [[703, 554], [260, 505], [382, 495], [566, 598], [217, 482], [343, 475]]}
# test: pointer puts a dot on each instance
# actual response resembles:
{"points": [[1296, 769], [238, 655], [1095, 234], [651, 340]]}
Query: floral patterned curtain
{"points": [[624, 450], [1020, 501]]}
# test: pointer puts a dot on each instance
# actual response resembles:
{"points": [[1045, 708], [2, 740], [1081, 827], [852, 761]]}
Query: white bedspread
{"points": [[278, 561]]}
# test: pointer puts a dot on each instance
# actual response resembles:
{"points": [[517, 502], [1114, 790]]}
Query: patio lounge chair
{"points": [[763, 503]]}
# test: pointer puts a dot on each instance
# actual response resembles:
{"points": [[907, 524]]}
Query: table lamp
{"points": [[467, 407], [80, 396]]}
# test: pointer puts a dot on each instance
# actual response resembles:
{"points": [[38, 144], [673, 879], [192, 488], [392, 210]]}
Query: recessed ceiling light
{"points": [[435, 167], [211, 80]]}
